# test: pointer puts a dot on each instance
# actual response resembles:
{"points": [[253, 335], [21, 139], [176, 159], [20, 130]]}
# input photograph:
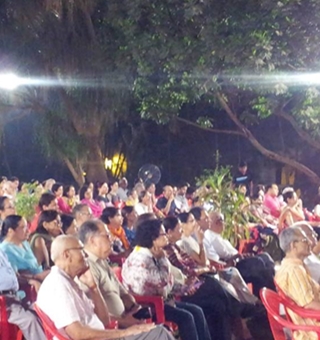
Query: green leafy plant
{"points": [[217, 191], [27, 199]]}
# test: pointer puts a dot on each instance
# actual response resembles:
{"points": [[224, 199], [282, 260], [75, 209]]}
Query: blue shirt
{"points": [[21, 258]]}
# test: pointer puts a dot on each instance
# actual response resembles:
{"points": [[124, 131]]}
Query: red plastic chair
{"points": [[48, 325], [8, 331], [51, 330], [272, 302], [289, 304]]}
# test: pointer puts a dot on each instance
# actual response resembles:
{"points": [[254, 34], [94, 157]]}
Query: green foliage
{"points": [[216, 189], [27, 200]]}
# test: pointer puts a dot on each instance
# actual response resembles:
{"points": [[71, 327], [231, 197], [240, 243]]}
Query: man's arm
{"points": [[77, 331], [100, 306]]}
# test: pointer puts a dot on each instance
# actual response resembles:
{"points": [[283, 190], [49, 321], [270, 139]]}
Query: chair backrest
{"points": [[48, 325], [272, 302], [8, 331], [117, 272]]}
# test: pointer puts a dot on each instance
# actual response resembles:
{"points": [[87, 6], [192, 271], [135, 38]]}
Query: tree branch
{"points": [[301, 132], [229, 132], [270, 154]]}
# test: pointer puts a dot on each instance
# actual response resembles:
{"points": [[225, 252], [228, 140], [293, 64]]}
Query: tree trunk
{"points": [[270, 154], [77, 172], [95, 162]]}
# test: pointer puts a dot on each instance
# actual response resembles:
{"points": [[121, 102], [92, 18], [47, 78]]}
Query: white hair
{"points": [[59, 245]]}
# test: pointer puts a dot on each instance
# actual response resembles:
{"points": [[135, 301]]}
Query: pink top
{"points": [[273, 205], [63, 206], [95, 207]]}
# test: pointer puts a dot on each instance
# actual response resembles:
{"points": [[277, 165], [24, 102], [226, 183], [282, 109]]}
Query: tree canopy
{"points": [[247, 59]]}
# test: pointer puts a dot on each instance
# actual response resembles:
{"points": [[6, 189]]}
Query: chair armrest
{"points": [[157, 302]]}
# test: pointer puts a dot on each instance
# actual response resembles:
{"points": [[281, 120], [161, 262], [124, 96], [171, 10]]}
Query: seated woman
{"points": [[19, 253], [113, 218], [147, 272], [49, 227], [113, 196], [293, 211], [57, 190], [69, 226], [193, 246], [129, 219], [69, 199], [6, 207], [145, 205], [102, 190], [86, 197]]}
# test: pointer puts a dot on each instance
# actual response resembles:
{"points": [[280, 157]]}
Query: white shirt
{"points": [[122, 193], [188, 244], [65, 303], [313, 264], [141, 208], [9, 279], [181, 203], [216, 247]]}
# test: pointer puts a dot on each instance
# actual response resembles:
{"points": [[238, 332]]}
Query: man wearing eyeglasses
{"points": [[82, 213], [294, 279], [96, 238], [72, 312]]}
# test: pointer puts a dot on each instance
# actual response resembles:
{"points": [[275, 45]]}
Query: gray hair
{"points": [[88, 229], [59, 245], [78, 209], [287, 236]]}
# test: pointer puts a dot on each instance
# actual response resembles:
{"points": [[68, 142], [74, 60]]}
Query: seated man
{"points": [[312, 261], [295, 280], [73, 314], [96, 239], [259, 270], [166, 202], [18, 314]]}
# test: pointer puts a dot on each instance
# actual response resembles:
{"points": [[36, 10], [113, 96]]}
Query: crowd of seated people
{"points": [[173, 249]]}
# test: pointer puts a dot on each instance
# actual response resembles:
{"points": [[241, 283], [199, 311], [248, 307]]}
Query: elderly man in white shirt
{"points": [[72, 312], [259, 270], [18, 314]]}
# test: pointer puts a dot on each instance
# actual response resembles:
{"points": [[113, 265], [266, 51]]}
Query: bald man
{"points": [[166, 203], [73, 314], [259, 270]]}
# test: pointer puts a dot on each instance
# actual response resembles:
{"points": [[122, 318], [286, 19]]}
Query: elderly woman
{"points": [[49, 227], [147, 272], [15, 245]]}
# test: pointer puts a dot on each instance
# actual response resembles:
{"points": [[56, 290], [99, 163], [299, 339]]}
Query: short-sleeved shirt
{"points": [[296, 282], [216, 247], [162, 203], [110, 287], [21, 258], [243, 179], [61, 299]]}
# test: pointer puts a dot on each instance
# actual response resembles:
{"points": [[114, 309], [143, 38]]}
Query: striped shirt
{"points": [[296, 282]]}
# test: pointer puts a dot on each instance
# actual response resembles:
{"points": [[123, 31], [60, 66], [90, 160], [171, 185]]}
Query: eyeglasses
{"points": [[76, 248], [220, 219], [86, 213], [303, 240], [9, 207]]}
